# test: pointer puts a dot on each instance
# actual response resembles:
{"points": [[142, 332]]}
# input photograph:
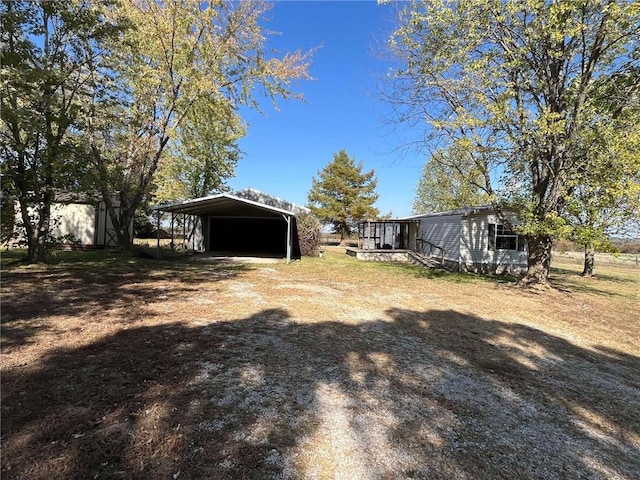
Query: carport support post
{"points": [[184, 231], [194, 224], [288, 219], [158, 236], [172, 245]]}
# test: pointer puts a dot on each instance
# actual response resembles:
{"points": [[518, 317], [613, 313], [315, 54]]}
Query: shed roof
{"points": [[223, 204]]}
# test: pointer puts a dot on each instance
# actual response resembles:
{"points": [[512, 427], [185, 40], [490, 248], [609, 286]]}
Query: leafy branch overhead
{"points": [[97, 94], [450, 179], [186, 67], [48, 88]]}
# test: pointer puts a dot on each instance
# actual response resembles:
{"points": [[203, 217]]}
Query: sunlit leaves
{"points": [[185, 67], [54, 57], [450, 179], [204, 156]]}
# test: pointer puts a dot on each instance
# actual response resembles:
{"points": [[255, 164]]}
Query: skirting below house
{"points": [[380, 255], [516, 270], [406, 256]]}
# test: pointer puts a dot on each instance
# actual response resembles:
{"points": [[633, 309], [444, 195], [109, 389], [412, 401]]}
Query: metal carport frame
{"points": [[232, 206]]}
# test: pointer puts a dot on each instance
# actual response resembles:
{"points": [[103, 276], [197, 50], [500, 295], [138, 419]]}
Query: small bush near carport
{"points": [[308, 234]]}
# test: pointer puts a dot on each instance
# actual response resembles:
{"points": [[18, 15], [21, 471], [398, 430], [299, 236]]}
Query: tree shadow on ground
{"points": [[32, 296], [435, 394], [574, 281], [598, 275]]}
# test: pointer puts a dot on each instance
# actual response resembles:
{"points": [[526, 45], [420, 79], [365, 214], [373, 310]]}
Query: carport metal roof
{"points": [[223, 204]]}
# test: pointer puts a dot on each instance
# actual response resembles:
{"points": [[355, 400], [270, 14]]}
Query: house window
{"points": [[501, 238]]}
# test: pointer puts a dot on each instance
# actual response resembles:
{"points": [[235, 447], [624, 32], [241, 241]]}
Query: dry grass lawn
{"points": [[117, 368]]}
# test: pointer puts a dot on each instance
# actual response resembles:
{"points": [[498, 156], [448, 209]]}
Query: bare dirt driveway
{"points": [[116, 368]]}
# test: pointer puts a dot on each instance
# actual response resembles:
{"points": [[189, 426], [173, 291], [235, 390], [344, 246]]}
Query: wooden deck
{"points": [[397, 255], [380, 255]]}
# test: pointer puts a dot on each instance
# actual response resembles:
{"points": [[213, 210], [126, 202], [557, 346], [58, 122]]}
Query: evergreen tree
{"points": [[343, 195]]}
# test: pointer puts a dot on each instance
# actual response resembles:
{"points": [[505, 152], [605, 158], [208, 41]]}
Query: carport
{"points": [[238, 226]]}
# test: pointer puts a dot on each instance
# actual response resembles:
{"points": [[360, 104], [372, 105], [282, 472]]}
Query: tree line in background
{"points": [[128, 98]]}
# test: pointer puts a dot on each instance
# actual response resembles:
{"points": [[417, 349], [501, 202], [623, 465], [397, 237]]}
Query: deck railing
{"points": [[433, 250]]}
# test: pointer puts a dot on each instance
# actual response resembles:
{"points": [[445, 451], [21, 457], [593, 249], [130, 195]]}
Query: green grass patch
{"points": [[609, 280], [349, 266]]}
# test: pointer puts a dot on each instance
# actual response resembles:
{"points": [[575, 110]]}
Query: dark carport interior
{"points": [[251, 236]]}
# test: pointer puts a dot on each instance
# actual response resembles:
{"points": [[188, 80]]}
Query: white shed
{"points": [[78, 219], [473, 239]]}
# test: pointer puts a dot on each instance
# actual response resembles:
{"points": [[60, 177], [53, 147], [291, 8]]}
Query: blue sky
{"points": [[285, 149]]}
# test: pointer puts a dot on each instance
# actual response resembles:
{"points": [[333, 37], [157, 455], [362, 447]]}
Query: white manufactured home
{"points": [[472, 239]]}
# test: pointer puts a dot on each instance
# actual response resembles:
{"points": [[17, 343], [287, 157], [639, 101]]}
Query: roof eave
{"points": [[181, 207]]}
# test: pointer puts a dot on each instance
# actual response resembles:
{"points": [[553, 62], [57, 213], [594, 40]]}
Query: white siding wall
{"points": [[78, 220], [474, 251], [474, 241], [75, 220], [443, 231]]}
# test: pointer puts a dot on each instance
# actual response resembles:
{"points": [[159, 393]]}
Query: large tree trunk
{"points": [[343, 231], [39, 250], [30, 232], [44, 224], [123, 228], [121, 219], [589, 260], [130, 198], [36, 234], [539, 261]]}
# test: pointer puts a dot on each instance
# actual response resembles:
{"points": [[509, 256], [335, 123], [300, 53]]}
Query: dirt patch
{"points": [[231, 259], [325, 368]]}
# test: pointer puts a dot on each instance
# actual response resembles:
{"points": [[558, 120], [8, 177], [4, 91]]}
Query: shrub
{"points": [[308, 234], [629, 246]]}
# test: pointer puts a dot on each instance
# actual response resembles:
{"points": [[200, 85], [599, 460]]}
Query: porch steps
{"points": [[420, 259]]}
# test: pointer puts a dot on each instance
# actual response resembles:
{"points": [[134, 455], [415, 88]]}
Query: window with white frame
{"points": [[501, 238]]}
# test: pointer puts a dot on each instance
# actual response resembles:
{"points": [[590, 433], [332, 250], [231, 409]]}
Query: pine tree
{"points": [[343, 195]]}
